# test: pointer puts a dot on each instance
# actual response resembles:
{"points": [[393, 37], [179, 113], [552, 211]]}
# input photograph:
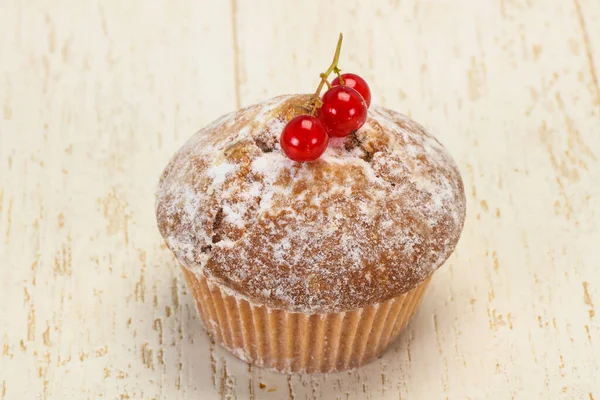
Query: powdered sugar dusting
{"points": [[219, 173], [372, 218]]}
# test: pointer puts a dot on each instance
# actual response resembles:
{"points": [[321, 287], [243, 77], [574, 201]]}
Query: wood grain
{"points": [[96, 96]]}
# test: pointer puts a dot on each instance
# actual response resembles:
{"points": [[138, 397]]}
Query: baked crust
{"points": [[371, 219]]}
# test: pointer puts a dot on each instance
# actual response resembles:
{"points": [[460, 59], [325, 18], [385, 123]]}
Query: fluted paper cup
{"points": [[292, 342]]}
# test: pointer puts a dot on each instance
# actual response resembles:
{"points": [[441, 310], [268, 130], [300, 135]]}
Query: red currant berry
{"points": [[304, 138], [357, 83], [343, 111]]}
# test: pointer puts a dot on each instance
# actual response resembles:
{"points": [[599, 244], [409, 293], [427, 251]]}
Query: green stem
{"points": [[338, 72], [325, 75]]}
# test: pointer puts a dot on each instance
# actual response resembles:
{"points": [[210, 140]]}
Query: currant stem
{"points": [[323, 77], [332, 68]]}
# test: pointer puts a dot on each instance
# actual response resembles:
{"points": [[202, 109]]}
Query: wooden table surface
{"points": [[95, 96]]}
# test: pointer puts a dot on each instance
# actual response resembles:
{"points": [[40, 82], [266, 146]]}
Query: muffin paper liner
{"points": [[292, 342]]}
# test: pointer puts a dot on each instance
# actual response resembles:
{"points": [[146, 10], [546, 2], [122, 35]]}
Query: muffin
{"points": [[317, 266]]}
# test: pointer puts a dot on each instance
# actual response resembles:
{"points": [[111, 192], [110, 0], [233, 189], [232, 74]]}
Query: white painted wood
{"points": [[96, 96]]}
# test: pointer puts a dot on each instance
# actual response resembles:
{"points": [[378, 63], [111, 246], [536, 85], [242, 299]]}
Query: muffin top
{"points": [[371, 219]]}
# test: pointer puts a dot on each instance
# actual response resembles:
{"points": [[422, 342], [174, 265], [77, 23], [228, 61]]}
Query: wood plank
{"points": [[96, 96], [483, 77]]}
